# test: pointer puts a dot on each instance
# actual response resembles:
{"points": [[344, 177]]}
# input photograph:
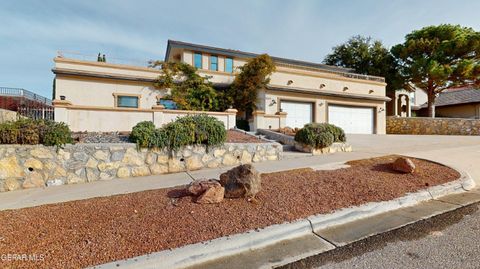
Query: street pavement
{"points": [[446, 241]]}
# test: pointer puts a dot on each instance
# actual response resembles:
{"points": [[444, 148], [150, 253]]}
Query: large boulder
{"points": [[241, 181], [212, 195], [206, 191], [403, 165]]}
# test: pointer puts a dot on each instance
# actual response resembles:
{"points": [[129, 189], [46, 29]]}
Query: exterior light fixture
{"points": [[345, 89], [289, 82], [62, 97], [370, 91], [381, 110], [273, 102], [322, 86]]}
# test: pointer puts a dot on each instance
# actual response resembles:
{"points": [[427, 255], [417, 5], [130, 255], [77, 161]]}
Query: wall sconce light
{"points": [[273, 102], [322, 86], [345, 89], [320, 104], [370, 91], [62, 97], [289, 82], [381, 110]]}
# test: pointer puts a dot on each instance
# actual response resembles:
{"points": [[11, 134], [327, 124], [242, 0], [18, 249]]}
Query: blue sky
{"points": [[31, 32]]}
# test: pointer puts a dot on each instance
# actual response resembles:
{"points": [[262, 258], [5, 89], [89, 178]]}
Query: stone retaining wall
{"points": [[432, 126], [289, 140], [27, 166]]}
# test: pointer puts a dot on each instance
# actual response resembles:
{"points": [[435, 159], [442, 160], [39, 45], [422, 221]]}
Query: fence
{"points": [[26, 103]]}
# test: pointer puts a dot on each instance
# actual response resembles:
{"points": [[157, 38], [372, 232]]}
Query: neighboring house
{"points": [[306, 92], [455, 103], [25, 103]]}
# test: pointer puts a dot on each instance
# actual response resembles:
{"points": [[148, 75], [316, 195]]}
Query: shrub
{"points": [[142, 133], [28, 131], [188, 130], [320, 135]]}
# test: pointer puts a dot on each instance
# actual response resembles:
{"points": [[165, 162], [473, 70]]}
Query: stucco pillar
{"points": [[157, 115], [282, 119], [231, 118], [258, 120], [61, 110]]}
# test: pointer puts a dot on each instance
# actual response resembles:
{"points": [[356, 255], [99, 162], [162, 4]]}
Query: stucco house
{"points": [[455, 103], [99, 96]]}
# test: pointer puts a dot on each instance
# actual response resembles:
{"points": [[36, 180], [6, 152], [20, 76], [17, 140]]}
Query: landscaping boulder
{"points": [[212, 195], [206, 191], [241, 181], [403, 165]]}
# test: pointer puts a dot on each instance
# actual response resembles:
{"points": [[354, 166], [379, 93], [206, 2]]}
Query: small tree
{"points": [[368, 57], [253, 76], [188, 90], [435, 58]]}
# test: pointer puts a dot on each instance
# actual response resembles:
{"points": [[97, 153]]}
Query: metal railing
{"points": [[17, 92], [109, 58]]}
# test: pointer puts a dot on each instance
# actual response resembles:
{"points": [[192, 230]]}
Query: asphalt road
{"points": [[451, 240]]}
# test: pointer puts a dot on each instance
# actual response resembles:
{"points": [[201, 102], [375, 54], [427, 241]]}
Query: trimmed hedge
{"points": [[188, 130], [320, 135], [32, 132]]}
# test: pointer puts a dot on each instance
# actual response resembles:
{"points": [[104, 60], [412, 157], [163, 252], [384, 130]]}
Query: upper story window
{"points": [[127, 101], [229, 65], [214, 63], [197, 60]]}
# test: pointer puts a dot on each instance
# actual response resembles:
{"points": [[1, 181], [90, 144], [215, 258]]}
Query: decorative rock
{"points": [[140, 171], [33, 180], [193, 163], [41, 153], [162, 159], [105, 176], [132, 157], [241, 181], [64, 154], [218, 152], [199, 186], [33, 163], [74, 179], [11, 184], [91, 175], [158, 169], [108, 166], [59, 172], [403, 165], [214, 164], [9, 167], [246, 158], [123, 172], [101, 155], [49, 165], [212, 195], [175, 165], [150, 158]]}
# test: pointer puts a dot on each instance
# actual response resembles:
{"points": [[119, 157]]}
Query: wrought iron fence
{"points": [[26, 103]]}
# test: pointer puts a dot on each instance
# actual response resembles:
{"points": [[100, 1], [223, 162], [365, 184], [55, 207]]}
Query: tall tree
{"points": [[253, 76], [188, 90], [366, 56], [435, 58]]}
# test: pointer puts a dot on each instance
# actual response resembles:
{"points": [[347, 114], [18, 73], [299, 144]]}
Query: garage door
{"points": [[353, 120], [298, 113]]}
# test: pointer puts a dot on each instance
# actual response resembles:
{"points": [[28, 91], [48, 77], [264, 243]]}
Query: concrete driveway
{"points": [[462, 152]]}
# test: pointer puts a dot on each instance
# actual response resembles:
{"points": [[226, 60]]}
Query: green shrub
{"points": [[320, 135], [142, 133], [188, 130], [28, 131]]}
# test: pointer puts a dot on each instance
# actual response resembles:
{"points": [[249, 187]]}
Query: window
{"points": [[127, 101], [214, 63], [197, 60], [229, 65]]}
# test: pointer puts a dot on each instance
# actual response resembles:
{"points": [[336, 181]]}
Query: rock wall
{"points": [[289, 140], [435, 126], [27, 166]]}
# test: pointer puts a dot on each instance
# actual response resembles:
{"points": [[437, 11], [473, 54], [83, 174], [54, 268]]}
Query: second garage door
{"points": [[298, 113], [353, 120]]}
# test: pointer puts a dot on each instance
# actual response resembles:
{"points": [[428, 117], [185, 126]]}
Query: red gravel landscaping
{"points": [[239, 137], [94, 231]]}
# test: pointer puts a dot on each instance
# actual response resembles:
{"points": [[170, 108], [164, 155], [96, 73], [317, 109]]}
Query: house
{"points": [[25, 103], [299, 92], [455, 103]]}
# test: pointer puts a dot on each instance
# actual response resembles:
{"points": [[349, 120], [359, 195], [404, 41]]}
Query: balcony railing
{"points": [[94, 58], [17, 92]]}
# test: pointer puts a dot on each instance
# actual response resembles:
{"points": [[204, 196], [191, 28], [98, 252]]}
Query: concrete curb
{"points": [[203, 252]]}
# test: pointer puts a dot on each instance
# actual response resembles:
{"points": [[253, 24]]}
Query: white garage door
{"points": [[353, 120], [298, 114]]}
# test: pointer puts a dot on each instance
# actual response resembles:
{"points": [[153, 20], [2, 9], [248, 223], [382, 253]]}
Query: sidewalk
{"points": [[64, 193]]}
